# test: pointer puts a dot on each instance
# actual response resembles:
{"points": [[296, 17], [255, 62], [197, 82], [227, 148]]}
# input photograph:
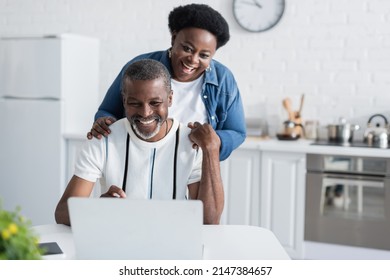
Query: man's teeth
{"points": [[147, 121]]}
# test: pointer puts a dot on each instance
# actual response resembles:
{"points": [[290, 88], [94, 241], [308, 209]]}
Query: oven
{"points": [[348, 200]]}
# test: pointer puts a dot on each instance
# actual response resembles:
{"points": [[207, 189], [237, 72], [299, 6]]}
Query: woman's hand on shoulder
{"points": [[101, 127]]}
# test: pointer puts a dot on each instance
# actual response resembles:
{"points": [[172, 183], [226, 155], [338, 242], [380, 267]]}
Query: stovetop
{"points": [[357, 144]]}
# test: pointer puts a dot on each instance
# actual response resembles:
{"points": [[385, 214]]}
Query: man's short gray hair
{"points": [[146, 70]]}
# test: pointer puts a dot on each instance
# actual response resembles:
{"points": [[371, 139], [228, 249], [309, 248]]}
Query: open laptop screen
{"points": [[112, 228]]}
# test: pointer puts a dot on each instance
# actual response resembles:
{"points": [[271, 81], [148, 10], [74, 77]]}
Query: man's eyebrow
{"points": [[151, 99]]}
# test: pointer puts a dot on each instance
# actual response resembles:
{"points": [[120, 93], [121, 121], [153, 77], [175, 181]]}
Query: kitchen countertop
{"points": [[305, 146]]}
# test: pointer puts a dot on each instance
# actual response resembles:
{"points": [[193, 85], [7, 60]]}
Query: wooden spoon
{"points": [[287, 106], [298, 118], [298, 113]]}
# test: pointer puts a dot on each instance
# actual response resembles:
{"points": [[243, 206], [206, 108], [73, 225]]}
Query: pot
{"points": [[341, 133], [293, 128], [291, 131]]}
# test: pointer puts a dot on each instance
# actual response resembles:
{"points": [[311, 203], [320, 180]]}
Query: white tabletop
{"points": [[222, 242]]}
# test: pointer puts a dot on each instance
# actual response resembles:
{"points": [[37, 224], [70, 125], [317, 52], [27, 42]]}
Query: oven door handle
{"points": [[354, 180]]}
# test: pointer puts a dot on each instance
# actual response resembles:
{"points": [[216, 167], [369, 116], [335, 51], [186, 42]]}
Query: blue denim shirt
{"points": [[220, 95]]}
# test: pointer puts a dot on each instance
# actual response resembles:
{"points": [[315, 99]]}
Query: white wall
{"points": [[337, 52]]}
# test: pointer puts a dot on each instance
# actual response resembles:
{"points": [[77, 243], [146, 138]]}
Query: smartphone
{"points": [[50, 248]]}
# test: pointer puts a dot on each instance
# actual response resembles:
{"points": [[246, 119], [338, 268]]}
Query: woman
{"points": [[204, 90]]}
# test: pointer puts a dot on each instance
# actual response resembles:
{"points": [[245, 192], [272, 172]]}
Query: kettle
{"points": [[377, 134]]}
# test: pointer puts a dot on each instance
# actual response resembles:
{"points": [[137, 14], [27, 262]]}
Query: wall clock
{"points": [[258, 15]]}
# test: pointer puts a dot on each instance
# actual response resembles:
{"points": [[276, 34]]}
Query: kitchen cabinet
{"points": [[282, 192], [266, 187], [241, 179]]}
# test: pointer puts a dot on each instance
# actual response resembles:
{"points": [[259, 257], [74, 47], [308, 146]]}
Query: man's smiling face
{"points": [[146, 105]]}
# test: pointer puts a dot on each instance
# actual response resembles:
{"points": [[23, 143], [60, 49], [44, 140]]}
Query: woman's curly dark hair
{"points": [[199, 16]]}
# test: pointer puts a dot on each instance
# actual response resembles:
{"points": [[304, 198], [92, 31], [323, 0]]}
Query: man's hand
{"points": [[210, 189], [204, 136], [114, 191], [100, 127]]}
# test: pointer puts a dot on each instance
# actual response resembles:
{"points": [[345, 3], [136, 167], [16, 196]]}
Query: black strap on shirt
{"points": [[174, 163], [126, 163]]}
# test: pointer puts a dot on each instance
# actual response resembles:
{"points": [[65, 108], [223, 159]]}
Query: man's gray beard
{"points": [[149, 135]]}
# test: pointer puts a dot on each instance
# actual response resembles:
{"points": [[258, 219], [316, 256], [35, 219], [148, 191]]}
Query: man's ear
{"points": [[170, 96], [123, 99]]}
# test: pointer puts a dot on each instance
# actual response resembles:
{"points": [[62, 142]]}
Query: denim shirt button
{"points": [[213, 117], [205, 96]]}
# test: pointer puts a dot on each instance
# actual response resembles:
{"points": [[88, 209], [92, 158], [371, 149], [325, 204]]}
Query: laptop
{"points": [[113, 228]]}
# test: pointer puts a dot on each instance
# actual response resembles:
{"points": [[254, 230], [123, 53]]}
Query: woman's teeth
{"points": [[188, 67]]}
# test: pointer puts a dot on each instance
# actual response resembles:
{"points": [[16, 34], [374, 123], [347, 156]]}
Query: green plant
{"points": [[17, 240]]}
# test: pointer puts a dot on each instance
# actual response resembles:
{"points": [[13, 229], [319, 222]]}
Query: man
{"points": [[148, 155]]}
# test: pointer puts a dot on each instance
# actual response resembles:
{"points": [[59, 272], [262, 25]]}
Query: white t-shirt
{"points": [[151, 165], [187, 104]]}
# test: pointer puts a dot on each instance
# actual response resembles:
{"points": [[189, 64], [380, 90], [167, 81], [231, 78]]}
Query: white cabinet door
{"points": [[283, 198], [240, 175]]}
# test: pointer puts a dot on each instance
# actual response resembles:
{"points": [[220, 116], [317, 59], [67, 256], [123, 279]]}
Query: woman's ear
{"points": [[173, 37]]}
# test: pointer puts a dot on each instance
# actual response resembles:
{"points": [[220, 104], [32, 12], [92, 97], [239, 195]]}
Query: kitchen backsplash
{"points": [[334, 51]]}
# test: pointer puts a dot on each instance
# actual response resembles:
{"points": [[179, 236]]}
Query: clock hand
{"points": [[253, 3], [257, 4]]}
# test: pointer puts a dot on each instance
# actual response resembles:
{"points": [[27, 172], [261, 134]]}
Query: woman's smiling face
{"points": [[192, 51]]}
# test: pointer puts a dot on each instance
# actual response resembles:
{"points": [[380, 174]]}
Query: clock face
{"points": [[258, 15]]}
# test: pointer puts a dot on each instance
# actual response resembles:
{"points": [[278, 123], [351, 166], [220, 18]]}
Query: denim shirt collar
{"points": [[210, 76]]}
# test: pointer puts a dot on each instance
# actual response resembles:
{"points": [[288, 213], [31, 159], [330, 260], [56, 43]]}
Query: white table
{"points": [[221, 242]]}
